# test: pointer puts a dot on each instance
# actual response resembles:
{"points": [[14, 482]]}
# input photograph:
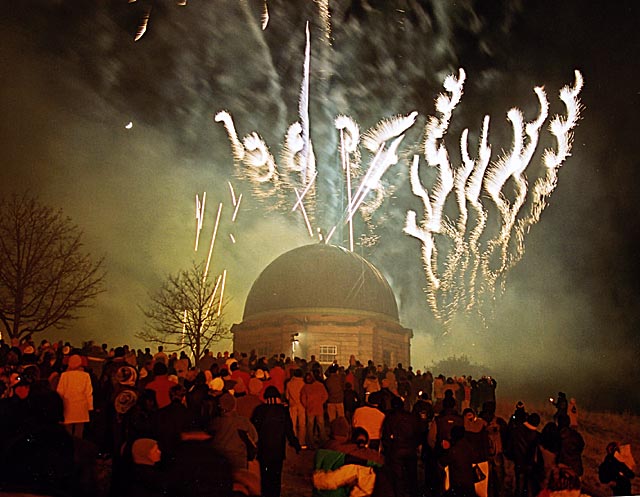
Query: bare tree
{"points": [[186, 312], [45, 275]]}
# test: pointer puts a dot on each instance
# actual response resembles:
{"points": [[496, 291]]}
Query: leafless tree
{"points": [[46, 277], [186, 312]]}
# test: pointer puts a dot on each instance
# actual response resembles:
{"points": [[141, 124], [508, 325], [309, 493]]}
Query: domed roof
{"points": [[321, 276]]}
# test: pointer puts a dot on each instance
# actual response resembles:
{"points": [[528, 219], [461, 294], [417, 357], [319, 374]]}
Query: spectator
{"points": [[296, 409], [227, 434], [614, 472], [313, 396], [77, 396], [571, 445], [274, 427]]}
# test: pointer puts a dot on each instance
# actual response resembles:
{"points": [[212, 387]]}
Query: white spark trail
{"points": [[304, 212], [303, 108], [233, 193], [213, 241], [562, 129], [305, 191], [224, 279], [235, 211], [199, 216], [213, 296]]}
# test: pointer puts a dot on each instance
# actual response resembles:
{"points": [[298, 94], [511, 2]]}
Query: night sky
{"points": [[72, 78]]}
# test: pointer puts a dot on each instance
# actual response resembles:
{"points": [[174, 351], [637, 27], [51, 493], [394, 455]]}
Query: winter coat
{"points": [[370, 419], [313, 396], [400, 434], [522, 445], [293, 390], [228, 441], [571, 447], [274, 427], [77, 395]]}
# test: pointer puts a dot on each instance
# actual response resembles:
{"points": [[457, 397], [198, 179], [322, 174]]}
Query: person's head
{"points": [[177, 393], [309, 378], [75, 361], [469, 414], [297, 373], [360, 436], [534, 419], [449, 403], [160, 348], [612, 448], [227, 402], [160, 369], [563, 478], [145, 451], [118, 352]]}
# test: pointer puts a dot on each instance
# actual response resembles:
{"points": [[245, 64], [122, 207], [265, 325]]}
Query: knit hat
{"points": [[125, 400], [255, 386], [126, 375], [260, 374], [75, 361], [141, 449], [227, 402], [340, 429]]}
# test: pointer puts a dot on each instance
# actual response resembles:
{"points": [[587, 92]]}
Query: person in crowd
{"points": [[571, 445], [296, 409], [340, 465], [401, 432], [246, 404], [161, 356], [572, 411], [561, 404], [234, 436], [76, 391], [161, 384], [614, 472], [496, 435], [313, 397], [475, 429], [457, 456], [145, 478], [37, 453], [141, 418], [549, 448], [334, 384], [171, 421], [371, 383], [523, 451], [370, 418], [351, 401], [274, 427]]}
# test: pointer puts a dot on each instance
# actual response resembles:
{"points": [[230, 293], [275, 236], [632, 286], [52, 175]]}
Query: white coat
{"points": [[77, 395]]}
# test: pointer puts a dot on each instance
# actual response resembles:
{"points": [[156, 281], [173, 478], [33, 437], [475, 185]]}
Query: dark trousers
{"points": [[271, 478], [405, 474]]}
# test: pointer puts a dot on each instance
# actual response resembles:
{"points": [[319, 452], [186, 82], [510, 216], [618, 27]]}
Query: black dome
{"points": [[321, 276]]}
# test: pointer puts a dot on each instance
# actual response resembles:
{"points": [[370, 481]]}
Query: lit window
{"points": [[328, 353]]}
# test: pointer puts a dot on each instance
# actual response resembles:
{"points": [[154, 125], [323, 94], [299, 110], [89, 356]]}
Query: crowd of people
{"points": [[124, 422]]}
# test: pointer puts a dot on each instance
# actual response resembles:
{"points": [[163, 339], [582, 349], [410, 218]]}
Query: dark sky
{"points": [[72, 77]]}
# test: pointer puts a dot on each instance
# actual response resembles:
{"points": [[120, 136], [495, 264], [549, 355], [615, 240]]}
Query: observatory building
{"points": [[325, 301]]}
